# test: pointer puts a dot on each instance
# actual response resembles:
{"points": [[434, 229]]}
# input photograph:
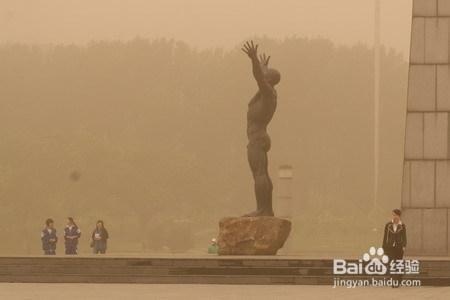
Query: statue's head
{"points": [[272, 76]]}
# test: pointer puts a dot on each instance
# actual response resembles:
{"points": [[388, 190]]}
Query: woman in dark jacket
{"points": [[100, 238], [49, 238], [71, 235], [394, 240]]}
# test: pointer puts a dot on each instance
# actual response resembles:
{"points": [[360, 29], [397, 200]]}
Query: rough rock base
{"points": [[252, 235]]}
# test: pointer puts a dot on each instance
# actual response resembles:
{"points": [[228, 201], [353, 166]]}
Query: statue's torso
{"points": [[260, 112]]}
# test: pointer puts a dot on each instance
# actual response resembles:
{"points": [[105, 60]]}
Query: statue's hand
{"points": [[250, 49], [264, 60]]}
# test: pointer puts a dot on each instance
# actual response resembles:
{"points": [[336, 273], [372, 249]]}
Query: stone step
{"points": [[217, 270], [210, 262], [71, 269], [217, 279], [213, 261]]}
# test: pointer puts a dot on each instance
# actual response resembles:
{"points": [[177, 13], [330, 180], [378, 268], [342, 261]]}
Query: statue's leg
{"points": [[253, 154], [257, 158], [268, 186]]}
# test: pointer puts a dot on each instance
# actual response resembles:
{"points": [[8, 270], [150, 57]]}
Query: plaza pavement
{"points": [[37, 291]]}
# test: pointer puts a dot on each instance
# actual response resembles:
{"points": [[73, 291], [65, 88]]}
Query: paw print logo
{"points": [[375, 261]]}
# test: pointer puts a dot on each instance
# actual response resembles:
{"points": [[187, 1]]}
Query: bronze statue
{"points": [[260, 112]]}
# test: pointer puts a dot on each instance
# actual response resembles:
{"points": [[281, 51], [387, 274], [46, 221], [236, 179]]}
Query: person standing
{"points": [[213, 248], [100, 238], [49, 238], [394, 240], [71, 235]]}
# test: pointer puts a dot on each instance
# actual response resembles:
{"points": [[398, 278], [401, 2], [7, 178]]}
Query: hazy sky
{"points": [[202, 23]]}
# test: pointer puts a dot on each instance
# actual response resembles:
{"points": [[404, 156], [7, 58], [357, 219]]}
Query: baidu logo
{"points": [[378, 266], [374, 262]]}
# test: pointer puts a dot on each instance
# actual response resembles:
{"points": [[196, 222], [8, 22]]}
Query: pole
{"points": [[376, 48]]}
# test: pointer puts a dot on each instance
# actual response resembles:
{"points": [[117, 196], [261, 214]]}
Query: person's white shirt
{"points": [[395, 225]]}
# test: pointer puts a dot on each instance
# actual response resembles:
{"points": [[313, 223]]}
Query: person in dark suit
{"points": [[100, 238], [49, 238], [71, 235], [394, 240]]}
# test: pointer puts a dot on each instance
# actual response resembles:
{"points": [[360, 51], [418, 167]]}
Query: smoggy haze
{"points": [[148, 134], [202, 23]]}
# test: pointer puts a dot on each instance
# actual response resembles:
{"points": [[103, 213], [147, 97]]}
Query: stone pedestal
{"points": [[252, 235]]}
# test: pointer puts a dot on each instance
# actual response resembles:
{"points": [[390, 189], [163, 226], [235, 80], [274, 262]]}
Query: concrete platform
{"points": [[272, 270]]}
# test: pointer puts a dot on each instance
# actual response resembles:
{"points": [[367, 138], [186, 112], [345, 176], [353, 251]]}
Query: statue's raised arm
{"points": [[260, 68]]}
